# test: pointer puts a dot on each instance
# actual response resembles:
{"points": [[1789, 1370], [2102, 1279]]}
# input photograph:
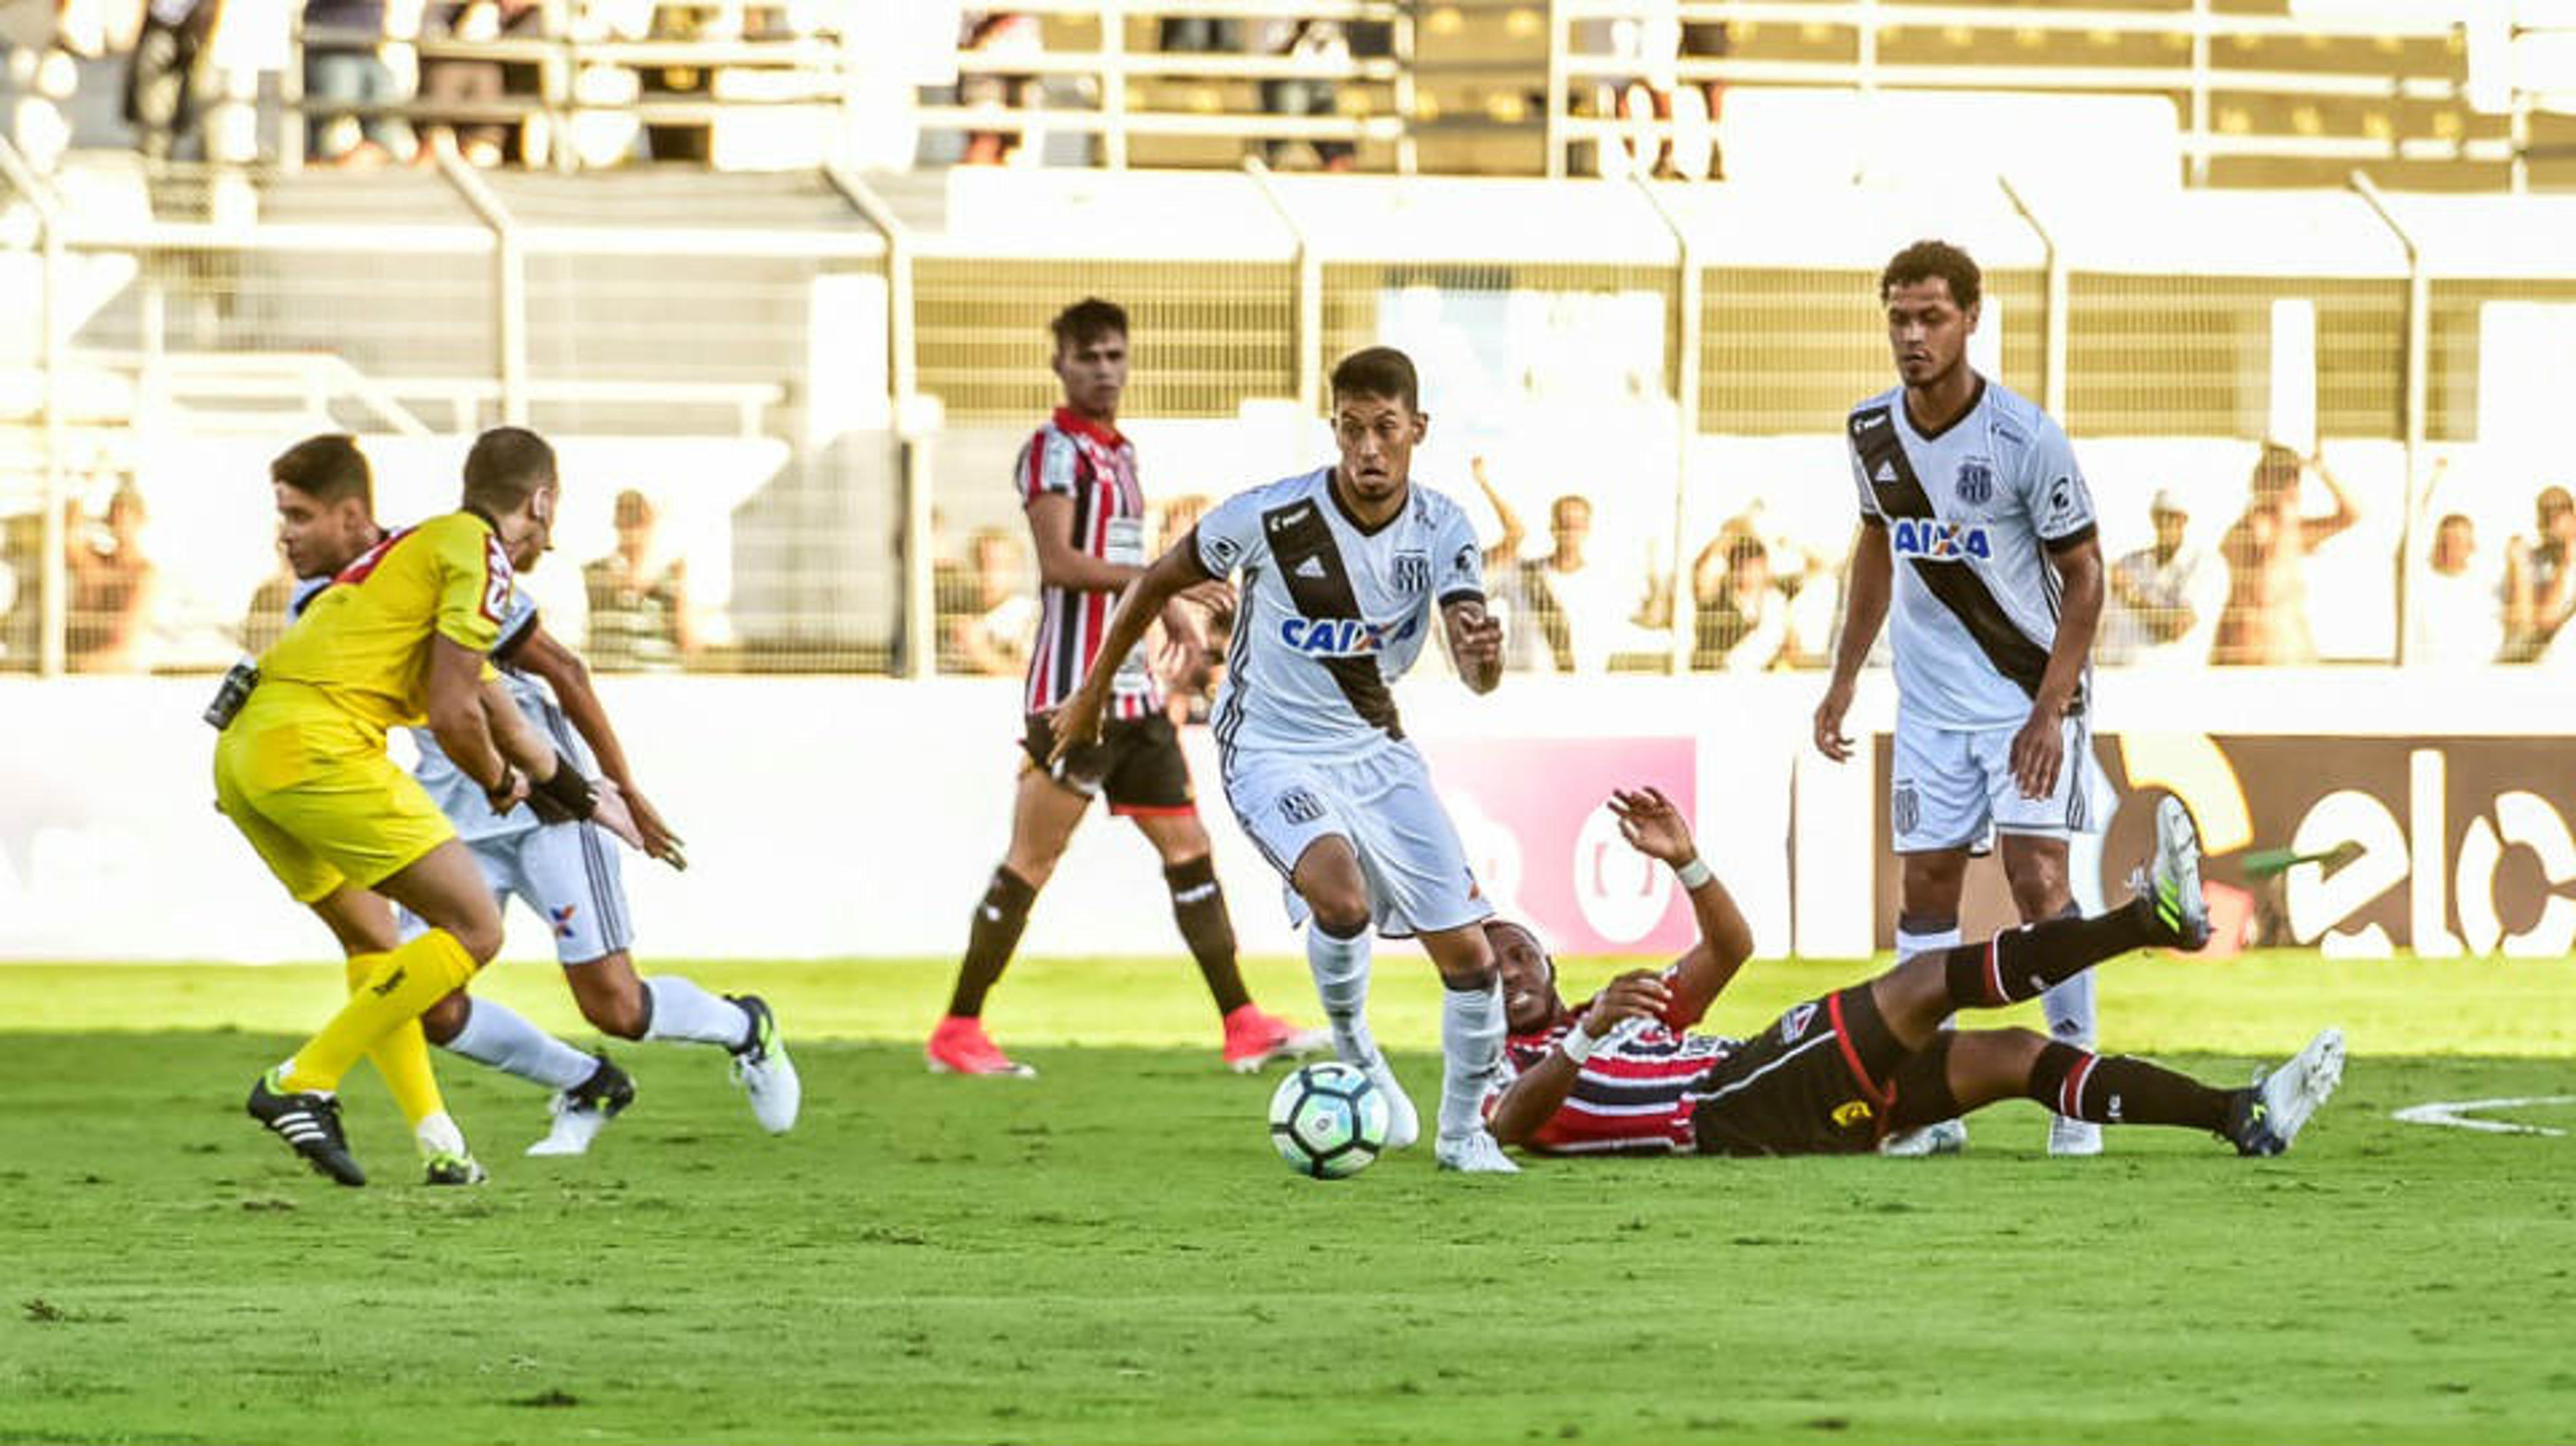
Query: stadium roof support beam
{"points": [[1686, 299], [2419, 322], [509, 281], [2054, 324], [1310, 294], [916, 419], [53, 603]]}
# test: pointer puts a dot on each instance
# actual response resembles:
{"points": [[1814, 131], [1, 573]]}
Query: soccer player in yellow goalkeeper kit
{"points": [[399, 640]]}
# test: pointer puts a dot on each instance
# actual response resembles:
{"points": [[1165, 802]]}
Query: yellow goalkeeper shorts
{"points": [[313, 791]]}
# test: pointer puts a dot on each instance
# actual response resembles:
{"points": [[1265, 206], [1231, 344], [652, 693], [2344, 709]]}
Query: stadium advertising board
{"points": [[2358, 846]]}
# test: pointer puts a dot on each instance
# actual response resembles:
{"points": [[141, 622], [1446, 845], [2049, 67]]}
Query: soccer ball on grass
{"points": [[1328, 1120]]}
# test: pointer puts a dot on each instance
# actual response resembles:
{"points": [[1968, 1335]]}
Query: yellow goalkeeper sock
{"points": [[402, 1057], [396, 992]]}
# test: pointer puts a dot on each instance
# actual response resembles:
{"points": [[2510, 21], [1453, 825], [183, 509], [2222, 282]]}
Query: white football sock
{"points": [[682, 1010], [497, 1035], [1341, 970], [1909, 943], [1471, 1049], [2069, 1007]]}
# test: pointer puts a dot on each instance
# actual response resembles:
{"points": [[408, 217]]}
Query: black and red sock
{"points": [[999, 917], [1198, 906], [2024, 963], [2118, 1090]]}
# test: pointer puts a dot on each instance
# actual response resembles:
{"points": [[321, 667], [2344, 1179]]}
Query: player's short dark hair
{"points": [[328, 468], [1378, 371], [1087, 321], [507, 466], [1930, 260]]}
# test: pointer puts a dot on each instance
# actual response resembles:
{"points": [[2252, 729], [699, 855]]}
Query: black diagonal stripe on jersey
{"points": [[1298, 535], [1956, 584], [1068, 641]]}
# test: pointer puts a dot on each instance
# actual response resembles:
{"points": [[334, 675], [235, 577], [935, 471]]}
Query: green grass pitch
{"points": [[1113, 1253]]}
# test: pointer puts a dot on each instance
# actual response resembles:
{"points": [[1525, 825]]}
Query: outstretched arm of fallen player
{"points": [[1078, 721], [1532, 1099], [1653, 827]]}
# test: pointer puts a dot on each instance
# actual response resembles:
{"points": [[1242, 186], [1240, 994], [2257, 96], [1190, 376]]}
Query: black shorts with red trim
{"points": [[1822, 1080], [1136, 765]]}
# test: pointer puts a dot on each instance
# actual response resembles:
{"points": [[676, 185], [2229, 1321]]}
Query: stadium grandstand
{"points": [[776, 279]]}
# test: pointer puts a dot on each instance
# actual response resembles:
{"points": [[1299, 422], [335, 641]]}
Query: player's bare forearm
{"points": [[1175, 571], [1530, 1101], [2079, 616], [569, 677], [1725, 942], [1060, 563], [456, 712], [1870, 577], [515, 737], [1475, 644]]}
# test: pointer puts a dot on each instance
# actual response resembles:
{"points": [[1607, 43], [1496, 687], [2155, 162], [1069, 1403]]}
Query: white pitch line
{"points": [[2455, 1113]]}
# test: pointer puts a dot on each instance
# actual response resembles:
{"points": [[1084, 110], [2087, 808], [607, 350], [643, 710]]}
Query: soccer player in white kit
{"points": [[1977, 520], [1342, 571]]}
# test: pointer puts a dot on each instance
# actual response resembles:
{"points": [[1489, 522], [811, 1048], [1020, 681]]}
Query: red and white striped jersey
{"points": [[1094, 465], [1636, 1093]]}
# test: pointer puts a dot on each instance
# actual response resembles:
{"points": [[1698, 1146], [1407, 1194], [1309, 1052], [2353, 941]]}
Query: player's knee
{"points": [[620, 1016], [1342, 914], [1470, 979], [444, 1020]]}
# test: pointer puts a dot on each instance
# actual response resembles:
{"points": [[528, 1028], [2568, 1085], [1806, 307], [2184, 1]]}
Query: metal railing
{"points": [[2197, 80], [457, 325]]}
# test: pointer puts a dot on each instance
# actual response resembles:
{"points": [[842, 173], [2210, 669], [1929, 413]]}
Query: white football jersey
{"points": [[1970, 514], [1331, 613]]}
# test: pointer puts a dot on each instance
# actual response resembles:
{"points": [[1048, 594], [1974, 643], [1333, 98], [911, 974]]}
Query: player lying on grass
{"points": [[565, 870], [1836, 1075]]}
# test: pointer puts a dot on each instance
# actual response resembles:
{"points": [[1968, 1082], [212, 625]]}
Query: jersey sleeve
{"points": [[474, 586], [1050, 463], [1228, 535], [1869, 512], [2053, 487], [1460, 559]]}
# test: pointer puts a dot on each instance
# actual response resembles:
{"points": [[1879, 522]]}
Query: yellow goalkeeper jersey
{"points": [[364, 641]]}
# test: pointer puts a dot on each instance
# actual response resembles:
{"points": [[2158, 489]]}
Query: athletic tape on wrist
{"points": [[1694, 873], [1578, 1044]]}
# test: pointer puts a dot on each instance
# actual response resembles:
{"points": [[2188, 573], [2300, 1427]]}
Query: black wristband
{"points": [[565, 798]]}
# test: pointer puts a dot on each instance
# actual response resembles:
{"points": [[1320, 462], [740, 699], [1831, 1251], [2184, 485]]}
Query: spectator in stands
{"points": [[481, 82], [20, 545], [2265, 621], [1310, 40], [2459, 612], [1198, 35], [1008, 34], [639, 599], [2166, 597], [113, 587], [2540, 587], [1584, 611], [985, 625], [265, 618], [343, 68], [161, 76], [1742, 616]]}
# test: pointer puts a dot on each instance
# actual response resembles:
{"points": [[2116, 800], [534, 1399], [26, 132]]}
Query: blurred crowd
{"points": [[1759, 599], [382, 82]]}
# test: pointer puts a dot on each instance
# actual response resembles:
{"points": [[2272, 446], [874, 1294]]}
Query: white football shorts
{"points": [[1948, 787], [1383, 804], [568, 873]]}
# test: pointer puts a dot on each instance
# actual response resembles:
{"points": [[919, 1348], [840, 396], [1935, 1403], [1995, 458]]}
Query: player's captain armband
{"points": [[232, 693]]}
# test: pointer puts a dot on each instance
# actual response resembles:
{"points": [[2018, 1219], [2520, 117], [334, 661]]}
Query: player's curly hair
{"points": [[1087, 321], [328, 468], [1927, 260], [1378, 371]]}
